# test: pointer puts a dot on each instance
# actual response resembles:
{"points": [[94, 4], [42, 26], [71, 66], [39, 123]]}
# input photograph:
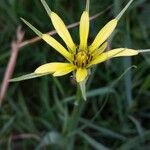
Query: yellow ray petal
{"points": [[60, 27], [119, 52], [65, 70], [51, 67], [103, 34], [56, 45], [62, 31], [51, 41], [84, 30], [81, 74], [100, 50]]}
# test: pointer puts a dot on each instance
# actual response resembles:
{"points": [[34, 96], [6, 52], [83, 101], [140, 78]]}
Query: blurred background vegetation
{"points": [[39, 113]]}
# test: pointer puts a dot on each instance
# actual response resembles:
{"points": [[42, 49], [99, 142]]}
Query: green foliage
{"points": [[42, 114]]}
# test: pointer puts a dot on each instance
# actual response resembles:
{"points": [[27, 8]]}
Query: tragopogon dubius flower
{"points": [[80, 58]]}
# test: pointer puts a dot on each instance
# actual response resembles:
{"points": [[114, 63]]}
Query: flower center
{"points": [[81, 59]]}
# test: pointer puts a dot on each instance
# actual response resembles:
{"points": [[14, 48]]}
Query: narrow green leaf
{"points": [[135, 142], [7, 126], [27, 76], [96, 145], [92, 93], [138, 127], [103, 131], [127, 62], [51, 138], [24, 112]]}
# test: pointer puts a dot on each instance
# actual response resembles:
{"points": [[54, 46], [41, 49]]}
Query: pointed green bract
{"points": [[87, 5], [83, 89], [144, 50], [32, 27], [27, 76], [46, 6], [124, 10]]}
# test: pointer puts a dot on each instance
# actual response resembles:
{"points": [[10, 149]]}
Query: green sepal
{"points": [[83, 89], [124, 10], [32, 27], [87, 6], [48, 10], [27, 76]]}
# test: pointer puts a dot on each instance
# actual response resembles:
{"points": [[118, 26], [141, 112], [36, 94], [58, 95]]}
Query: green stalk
{"points": [[72, 122]]}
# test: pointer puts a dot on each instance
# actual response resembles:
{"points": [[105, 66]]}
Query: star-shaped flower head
{"points": [[79, 57]]}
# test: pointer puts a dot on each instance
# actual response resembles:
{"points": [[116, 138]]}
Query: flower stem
{"points": [[72, 122]]}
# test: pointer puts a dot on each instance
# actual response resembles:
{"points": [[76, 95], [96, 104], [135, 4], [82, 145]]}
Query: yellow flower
{"points": [[80, 58]]}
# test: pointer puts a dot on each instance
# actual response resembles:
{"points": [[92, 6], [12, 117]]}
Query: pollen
{"points": [[81, 59]]}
